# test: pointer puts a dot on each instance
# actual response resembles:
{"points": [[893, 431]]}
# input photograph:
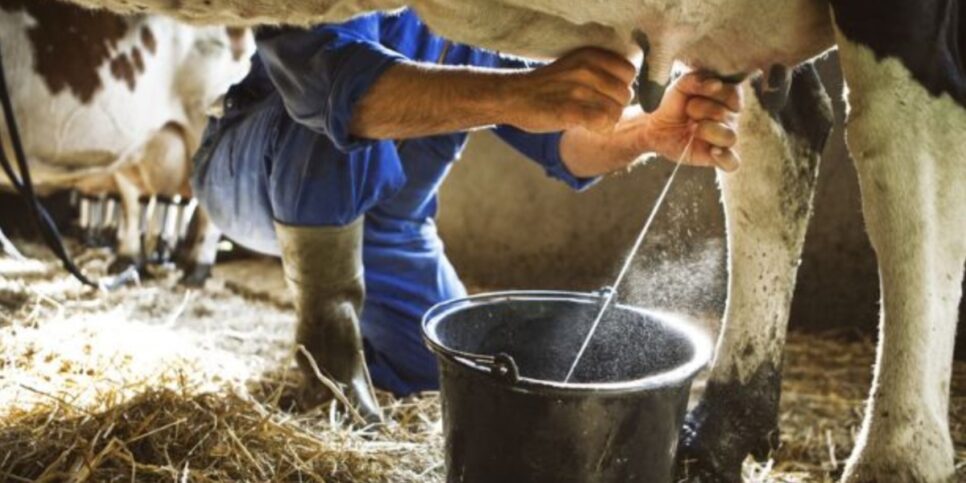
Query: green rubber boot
{"points": [[323, 267]]}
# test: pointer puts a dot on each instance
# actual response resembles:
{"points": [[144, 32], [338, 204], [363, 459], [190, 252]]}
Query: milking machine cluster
{"points": [[164, 223]]}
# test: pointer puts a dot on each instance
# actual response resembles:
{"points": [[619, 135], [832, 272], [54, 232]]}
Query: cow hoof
{"points": [[732, 421], [195, 275], [898, 453], [122, 262], [898, 471]]}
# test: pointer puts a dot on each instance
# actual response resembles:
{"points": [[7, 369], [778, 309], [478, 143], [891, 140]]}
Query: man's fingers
{"points": [[732, 98], [705, 154], [704, 109], [694, 84], [726, 159], [608, 61], [716, 133]]}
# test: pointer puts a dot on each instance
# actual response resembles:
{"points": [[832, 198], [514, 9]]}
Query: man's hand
{"points": [[703, 107], [586, 88], [700, 106]]}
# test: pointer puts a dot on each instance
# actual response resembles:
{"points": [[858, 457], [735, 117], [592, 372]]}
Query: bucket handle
{"points": [[501, 366]]}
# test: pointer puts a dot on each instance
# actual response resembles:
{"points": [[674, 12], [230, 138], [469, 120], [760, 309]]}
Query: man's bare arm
{"points": [[413, 100], [583, 94], [587, 88]]}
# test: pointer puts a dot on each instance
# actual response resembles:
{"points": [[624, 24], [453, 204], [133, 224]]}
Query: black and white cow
{"points": [[116, 104], [905, 66]]}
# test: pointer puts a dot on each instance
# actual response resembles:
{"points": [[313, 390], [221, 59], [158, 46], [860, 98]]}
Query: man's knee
{"points": [[313, 183], [228, 181]]}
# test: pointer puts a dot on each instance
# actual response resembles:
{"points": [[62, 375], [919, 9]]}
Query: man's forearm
{"points": [[587, 87], [414, 100], [587, 153]]}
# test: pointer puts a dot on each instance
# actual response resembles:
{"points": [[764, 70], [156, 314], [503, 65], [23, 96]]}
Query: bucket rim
{"points": [[700, 342]]}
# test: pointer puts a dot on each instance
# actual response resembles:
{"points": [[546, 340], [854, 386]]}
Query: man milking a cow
{"points": [[330, 154]]}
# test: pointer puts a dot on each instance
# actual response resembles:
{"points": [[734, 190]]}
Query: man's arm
{"points": [[586, 88], [322, 73], [583, 94]]}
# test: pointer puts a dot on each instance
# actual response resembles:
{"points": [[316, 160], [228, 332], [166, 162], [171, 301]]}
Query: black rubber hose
{"points": [[24, 185]]}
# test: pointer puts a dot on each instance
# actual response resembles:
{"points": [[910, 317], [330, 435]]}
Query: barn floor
{"points": [[155, 382]]}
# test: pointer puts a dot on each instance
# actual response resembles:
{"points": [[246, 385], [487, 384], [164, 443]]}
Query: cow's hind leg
{"points": [[767, 206], [909, 149]]}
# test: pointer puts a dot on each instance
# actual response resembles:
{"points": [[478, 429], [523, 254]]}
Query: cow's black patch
{"points": [[927, 36], [808, 117], [70, 44], [805, 111], [732, 421]]}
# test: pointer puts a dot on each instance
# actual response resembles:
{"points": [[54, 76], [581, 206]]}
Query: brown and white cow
{"points": [[905, 66], [117, 104]]}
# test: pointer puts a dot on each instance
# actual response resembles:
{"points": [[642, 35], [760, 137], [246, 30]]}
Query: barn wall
{"points": [[507, 225]]}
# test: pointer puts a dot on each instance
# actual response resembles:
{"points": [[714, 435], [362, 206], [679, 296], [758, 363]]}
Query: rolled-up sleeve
{"points": [[544, 149], [322, 73]]}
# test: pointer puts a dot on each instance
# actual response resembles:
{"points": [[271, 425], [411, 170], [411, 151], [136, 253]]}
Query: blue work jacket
{"points": [[283, 151]]}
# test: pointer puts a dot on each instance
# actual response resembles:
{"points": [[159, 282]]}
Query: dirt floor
{"points": [[155, 382]]}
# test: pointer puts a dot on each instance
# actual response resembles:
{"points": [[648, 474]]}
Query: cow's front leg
{"points": [[909, 149], [767, 206]]}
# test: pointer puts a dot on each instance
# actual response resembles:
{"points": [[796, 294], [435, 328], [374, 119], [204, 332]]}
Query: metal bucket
{"points": [[508, 418]]}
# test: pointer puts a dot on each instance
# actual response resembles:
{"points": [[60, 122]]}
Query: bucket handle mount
{"points": [[501, 366]]}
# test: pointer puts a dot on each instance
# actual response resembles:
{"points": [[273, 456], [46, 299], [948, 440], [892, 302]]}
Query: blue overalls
{"points": [[283, 152]]}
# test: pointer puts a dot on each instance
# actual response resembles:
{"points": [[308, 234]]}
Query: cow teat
{"points": [[772, 88], [654, 77], [649, 92]]}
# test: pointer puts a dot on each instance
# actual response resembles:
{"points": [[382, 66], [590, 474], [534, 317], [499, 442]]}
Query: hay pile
{"points": [[165, 435], [154, 383]]}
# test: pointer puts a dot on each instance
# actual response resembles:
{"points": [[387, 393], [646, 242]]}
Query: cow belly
{"points": [[724, 35], [727, 36]]}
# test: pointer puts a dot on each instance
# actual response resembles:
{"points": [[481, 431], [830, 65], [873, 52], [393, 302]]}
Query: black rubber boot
{"points": [[323, 267]]}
